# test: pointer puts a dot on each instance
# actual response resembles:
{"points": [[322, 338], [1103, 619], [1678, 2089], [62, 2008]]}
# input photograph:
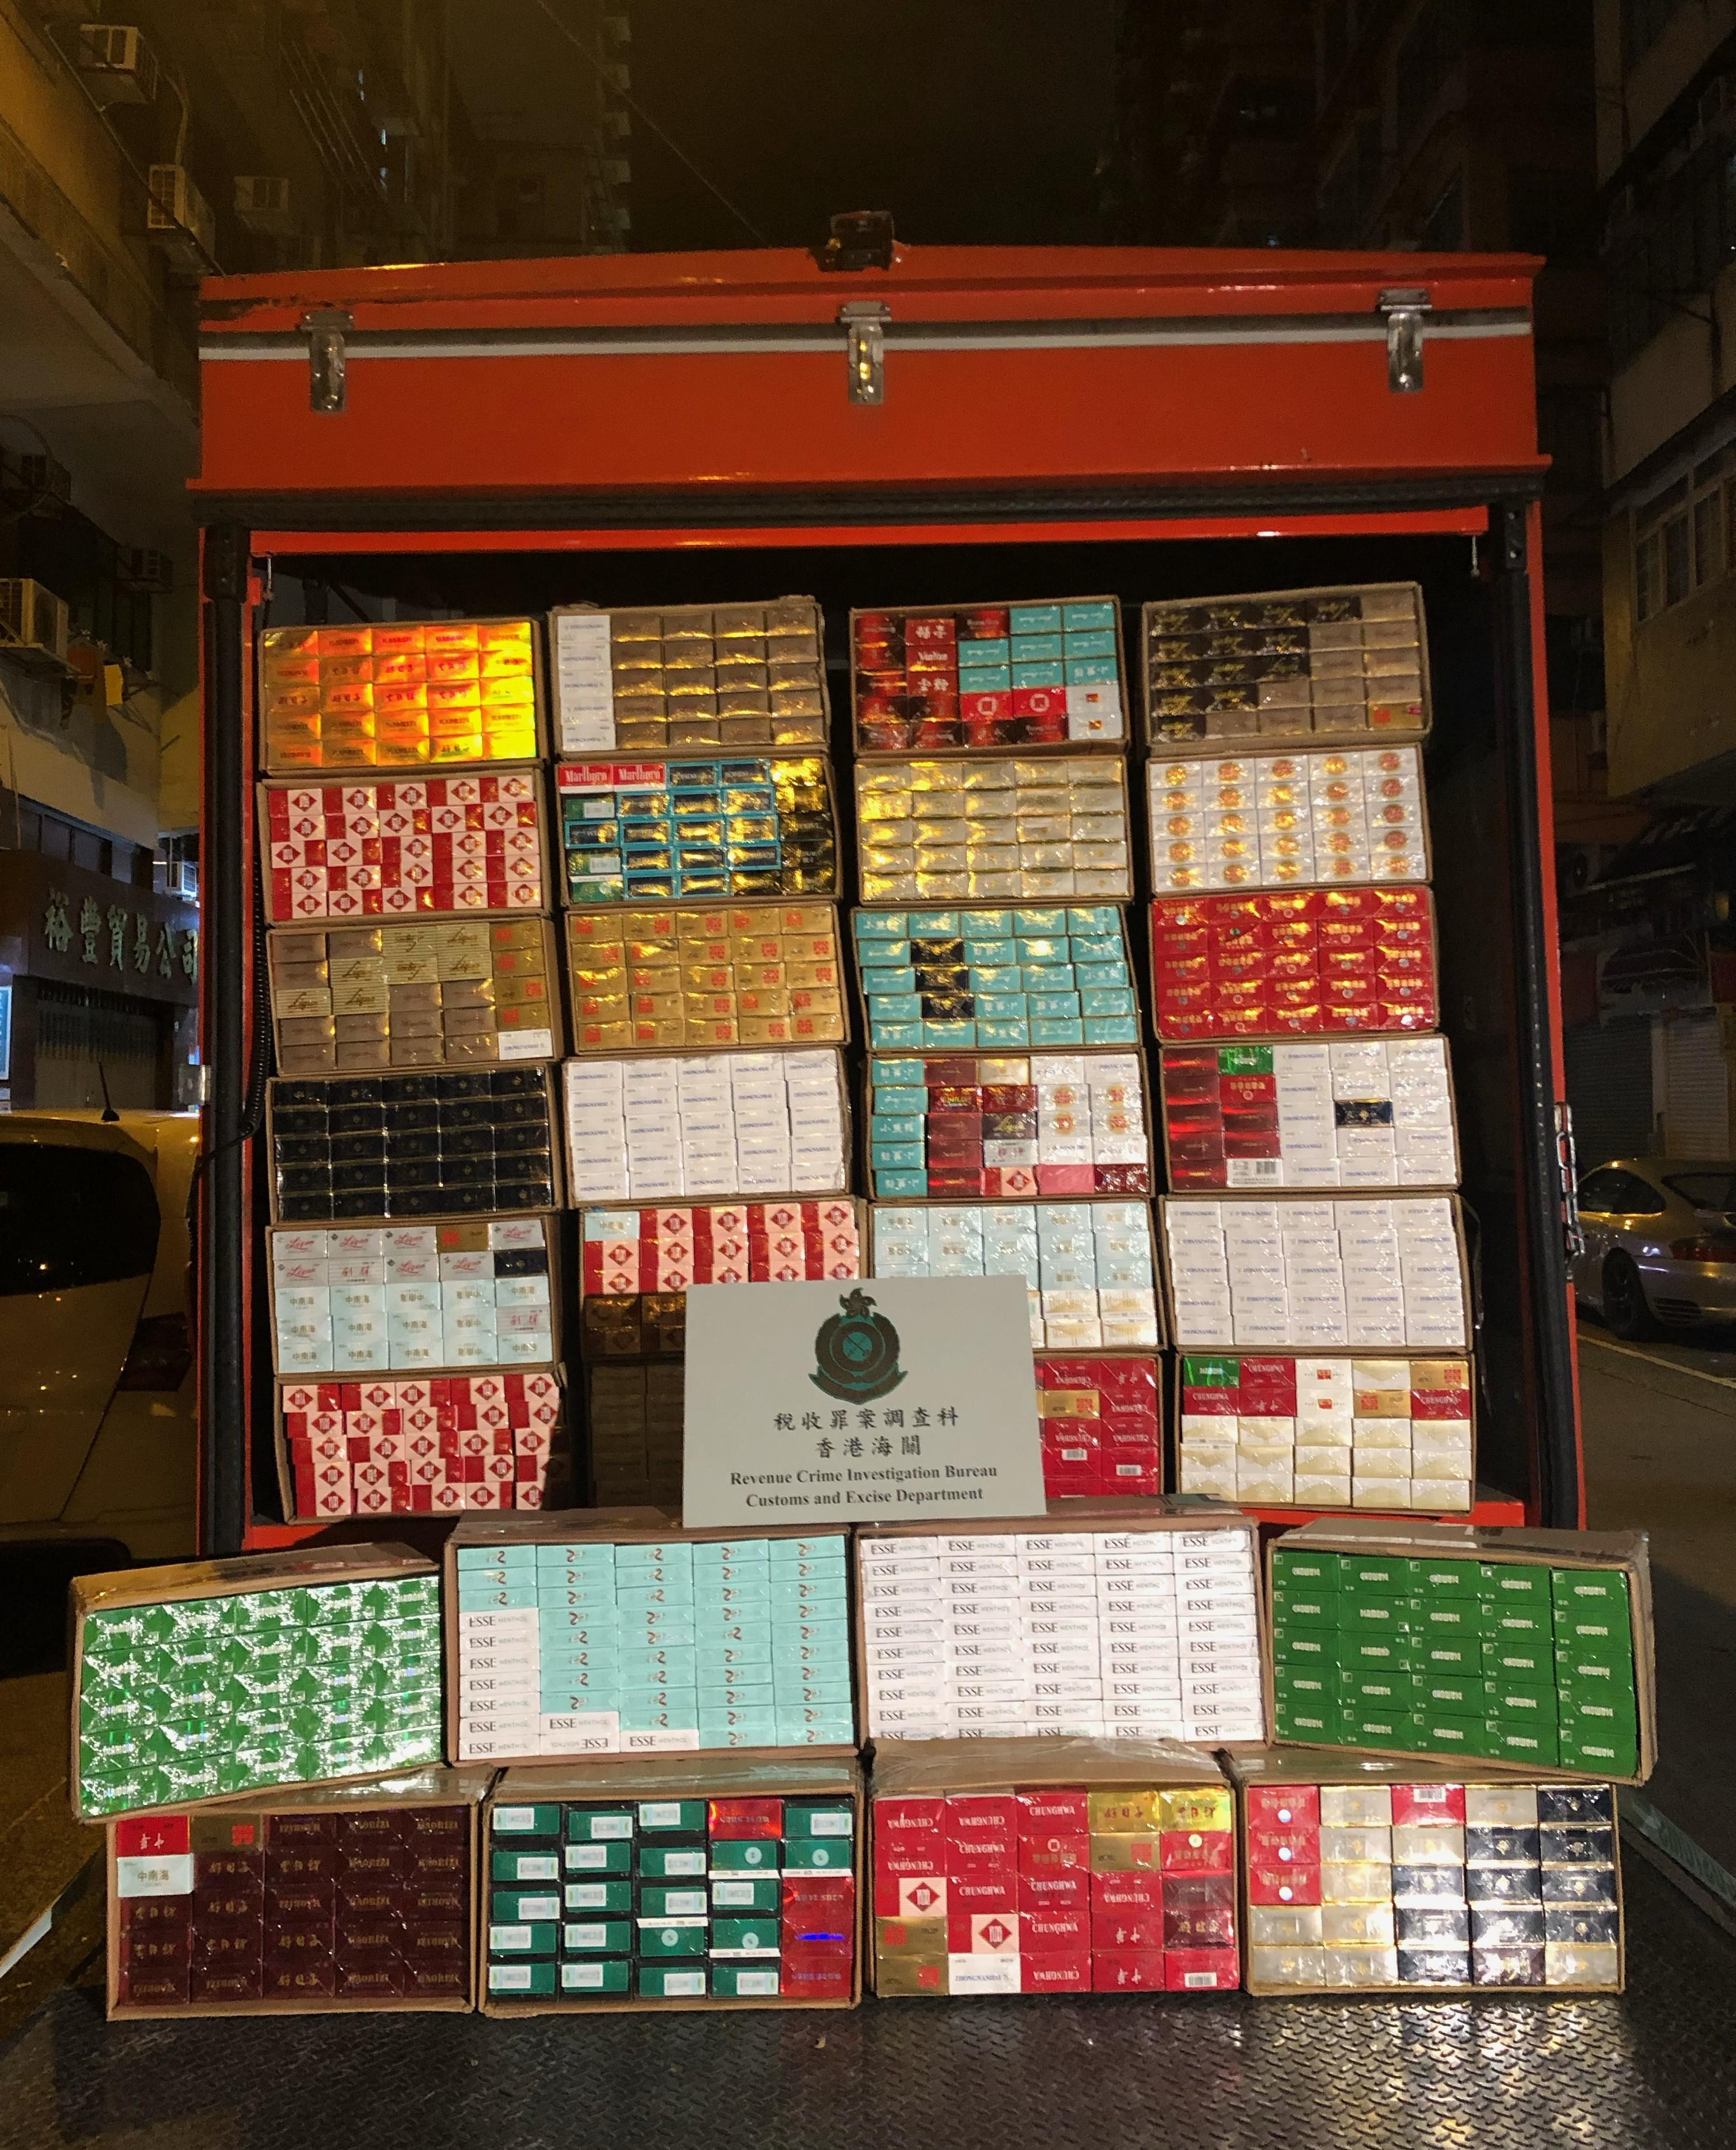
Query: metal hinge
{"points": [[863, 321], [1404, 309], [325, 328], [1567, 1164]]}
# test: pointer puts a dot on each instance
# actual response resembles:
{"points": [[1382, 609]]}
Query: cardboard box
{"points": [[695, 977], [703, 1128], [413, 1149], [1043, 676], [458, 992], [1288, 1889], [1142, 1614], [1094, 1291], [1306, 963], [1363, 1113], [1273, 1428], [1000, 828], [115, 1617], [417, 695], [415, 1445], [995, 977], [633, 1422], [351, 1302], [398, 1933], [663, 832], [1329, 1272], [1345, 664], [1100, 1419], [1015, 1127], [573, 1635], [636, 1264], [1550, 1655], [801, 1786], [1051, 1865], [685, 679], [1261, 817], [485, 854]]}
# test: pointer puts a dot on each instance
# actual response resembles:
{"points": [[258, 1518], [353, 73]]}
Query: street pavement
{"points": [[1659, 1425]]}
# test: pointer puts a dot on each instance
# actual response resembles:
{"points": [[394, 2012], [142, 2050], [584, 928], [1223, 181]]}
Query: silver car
{"points": [[1660, 1243]]}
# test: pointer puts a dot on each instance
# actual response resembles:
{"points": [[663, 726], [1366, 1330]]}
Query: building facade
{"points": [[1650, 956], [143, 144]]}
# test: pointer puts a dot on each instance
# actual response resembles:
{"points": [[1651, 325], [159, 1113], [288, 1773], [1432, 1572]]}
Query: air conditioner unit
{"points": [[179, 221], [618, 28], [118, 67], [32, 618], [617, 171], [142, 568], [262, 204]]}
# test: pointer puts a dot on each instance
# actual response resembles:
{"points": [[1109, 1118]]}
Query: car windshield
{"points": [[1706, 1190]]}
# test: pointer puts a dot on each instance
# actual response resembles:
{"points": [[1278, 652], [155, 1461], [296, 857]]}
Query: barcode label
{"points": [[1255, 1171]]}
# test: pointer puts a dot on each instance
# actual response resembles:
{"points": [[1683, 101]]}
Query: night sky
{"points": [[973, 123]]}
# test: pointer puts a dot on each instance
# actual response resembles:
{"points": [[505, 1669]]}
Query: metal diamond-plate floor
{"points": [[1655, 2070]]}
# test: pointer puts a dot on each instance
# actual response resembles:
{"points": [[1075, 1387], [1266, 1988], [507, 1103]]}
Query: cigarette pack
{"points": [[1369, 1876], [1327, 663], [470, 845], [699, 976], [409, 694], [994, 827], [995, 978], [1527, 1647], [403, 1147], [461, 994], [214, 1678], [689, 678], [1331, 816], [636, 1264], [1364, 1112], [719, 1123], [1108, 1618], [654, 831], [1101, 1425], [1036, 676], [344, 1899], [674, 1881], [585, 1633], [1276, 1431], [1298, 962], [420, 1447], [1375, 1273], [372, 1300], [1065, 1865], [1015, 1127], [1087, 1265]]}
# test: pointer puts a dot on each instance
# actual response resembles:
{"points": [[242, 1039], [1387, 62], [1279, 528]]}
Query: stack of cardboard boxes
{"points": [[703, 963], [1294, 982], [416, 1013]]}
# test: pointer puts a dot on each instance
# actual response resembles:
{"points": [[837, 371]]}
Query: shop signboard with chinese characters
{"points": [[880, 1401], [63, 922]]}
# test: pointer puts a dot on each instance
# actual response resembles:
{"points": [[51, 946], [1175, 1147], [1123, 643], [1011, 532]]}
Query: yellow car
{"points": [[98, 1444]]}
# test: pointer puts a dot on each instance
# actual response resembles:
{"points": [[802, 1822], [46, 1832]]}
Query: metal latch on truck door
{"points": [[863, 321], [1567, 1164], [325, 328], [1404, 310]]}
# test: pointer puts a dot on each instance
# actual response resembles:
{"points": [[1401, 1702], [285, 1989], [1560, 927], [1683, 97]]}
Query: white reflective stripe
{"points": [[823, 338]]}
